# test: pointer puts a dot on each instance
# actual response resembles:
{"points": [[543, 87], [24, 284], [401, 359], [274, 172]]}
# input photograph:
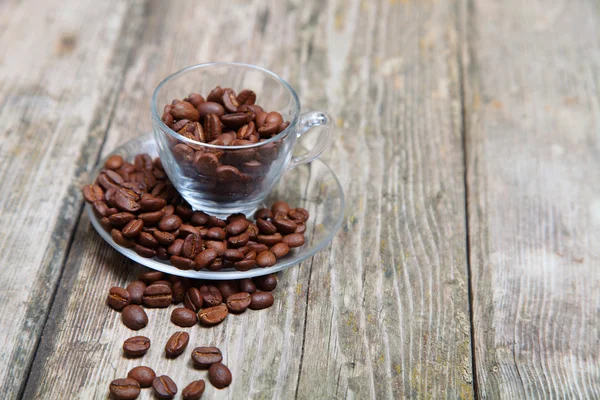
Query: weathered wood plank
{"points": [[56, 95], [388, 304], [533, 180]]}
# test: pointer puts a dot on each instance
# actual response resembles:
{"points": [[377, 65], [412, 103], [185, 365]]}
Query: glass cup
{"points": [[225, 179]]}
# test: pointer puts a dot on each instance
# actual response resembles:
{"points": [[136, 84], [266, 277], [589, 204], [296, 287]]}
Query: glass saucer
{"points": [[312, 186]]}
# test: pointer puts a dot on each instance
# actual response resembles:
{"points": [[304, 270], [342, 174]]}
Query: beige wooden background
{"points": [[468, 145]]}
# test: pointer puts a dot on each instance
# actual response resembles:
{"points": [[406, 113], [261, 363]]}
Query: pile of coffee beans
{"points": [[141, 209], [204, 302], [224, 119]]}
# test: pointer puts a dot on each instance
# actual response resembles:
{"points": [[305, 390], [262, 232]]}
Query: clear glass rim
{"points": [[158, 120]]}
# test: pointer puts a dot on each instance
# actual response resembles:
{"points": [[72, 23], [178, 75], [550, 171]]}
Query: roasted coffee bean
{"points": [[92, 193], [184, 110], [144, 251], [216, 233], [134, 317], [161, 253], [216, 245], [108, 178], [136, 292], [101, 209], [150, 203], [169, 223], [212, 127], [177, 343], [280, 206], [136, 346], [151, 218], [247, 285], [179, 125], [164, 281], [185, 212], [164, 238], [133, 229], [246, 131], [142, 162], [219, 375], [205, 258], [194, 390], [246, 97], [206, 163], [270, 240], [273, 120], [260, 300], [164, 387], [280, 250], [210, 107], [182, 263], [121, 219], [263, 213], [227, 288], [183, 317], [258, 247], [157, 296], [213, 315], [301, 228], [236, 120], [238, 241], [238, 302], [125, 203], [143, 375], [199, 218], [266, 227], [117, 298], [285, 225], [265, 259], [179, 289], [228, 173], [237, 226], [299, 214], [147, 240], [183, 152], [192, 246], [245, 264], [193, 299], [195, 99], [124, 389], [105, 224], [266, 283], [151, 276], [204, 357], [211, 296], [186, 229], [176, 247], [233, 255], [229, 100], [215, 95], [215, 222], [250, 255], [119, 239], [293, 240]]}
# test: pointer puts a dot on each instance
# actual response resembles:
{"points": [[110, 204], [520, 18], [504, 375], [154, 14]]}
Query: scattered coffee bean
{"points": [[238, 302], [158, 296], [134, 317], [214, 315], [136, 346], [143, 375], [125, 389], [267, 283], [179, 289], [177, 344], [204, 357], [227, 288], [211, 296], [164, 387], [193, 299], [260, 300], [219, 375], [194, 390], [118, 298], [184, 317], [136, 292]]}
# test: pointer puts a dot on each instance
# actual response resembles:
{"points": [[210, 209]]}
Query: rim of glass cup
{"points": [[280, 135]]}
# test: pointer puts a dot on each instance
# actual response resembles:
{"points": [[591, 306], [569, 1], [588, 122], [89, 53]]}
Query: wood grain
{"points": [[56, 98], [533, 181], [383, 311]]}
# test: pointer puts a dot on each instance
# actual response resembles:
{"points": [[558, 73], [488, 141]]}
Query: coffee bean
{"points": [[204, 357], [169, 223], [118, 298], [185, 230], [151, 277], [250, 255], [210, 107], [119, 239], [184, 317], [194, 390], [157, 296], [147, 240], [92, 193], [108, 178], [184, 211], [285, 225], [265, 259], [293, 240], [233, 255], [179, 289], [211, 296], [246, 285], [216, 233], [105, 224], [134, 317], [227, 288], [144, 251], [136, 346], [228, 173], [179, 125], [151, 218], [143, 375], [259, 247], [301, 228], [266, 227], [263, 213], [205, 258], [164, 238], [182, 263], [125, 389], [215, 95], [266, 283], [245, 264], [184, 110], [164, 387], [298, 213], [193, 299], [237, 226], [133, 229], [177, 343], [183, 152], [238, 302], [101, 209], [238, 241], [164, 281], [121, 219], [125, 203], [229, 100], [195, 99], [246, 97], [199, 218], [192, 246], [150, 203], [270, 240], [280, 250], [176, 247], [213, 315], [161, 253], [219, 375], [136, 292], [212, 126], [280, 206], [260, 300]]}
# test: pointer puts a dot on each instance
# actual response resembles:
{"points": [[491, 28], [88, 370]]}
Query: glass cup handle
{"points": [[307, 121]]}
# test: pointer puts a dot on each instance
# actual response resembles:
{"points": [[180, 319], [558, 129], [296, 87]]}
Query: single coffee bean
{"points": [[263, 213], [182, 263], [136, 346], [133, 229], [121, 219], [215, 221], [179, 289], [151, 276], [184, 211], [216, 233], [147, 240], [195, 99], [192, 246], [235, 120], [293, 240], [185, 230], [280, 250], [125, 389], [228, 173], [119, 239], [184, 317], [246, 97], [161, 253], [149, 203], [125, 203], [238, 302], [233, 255], [260, 300], [211, 296], [265, 259], [204, 357], [213, 315], [270, 240], [169, 223], [142, 162], [245, 264], [105, 224], [199, 218], [266, 227], [177, 344], [247, 285], [237, 226], [176, 247], [239, 240], [157, 296], [144, 251], [285, 225], [206, 164], [164, 238], [164, 387], [280, 206], [92, 193], [143, 375], [229, 100], [273, 121], [184, 110], [251, 255], [299, 213], [210, 107], [301, 228], [151, 218], [134, 317], [194, 390], [205, 258], [216, 245], [212, 126], [259, 247], [219, 375], [193, 299], [136, 292], [101, 209], [164, 281], [118, 298], [227, 288], [266, 283], [215, 95]]}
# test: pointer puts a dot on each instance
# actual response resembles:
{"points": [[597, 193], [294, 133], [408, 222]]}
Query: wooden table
{"points": [[468, 146]]}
